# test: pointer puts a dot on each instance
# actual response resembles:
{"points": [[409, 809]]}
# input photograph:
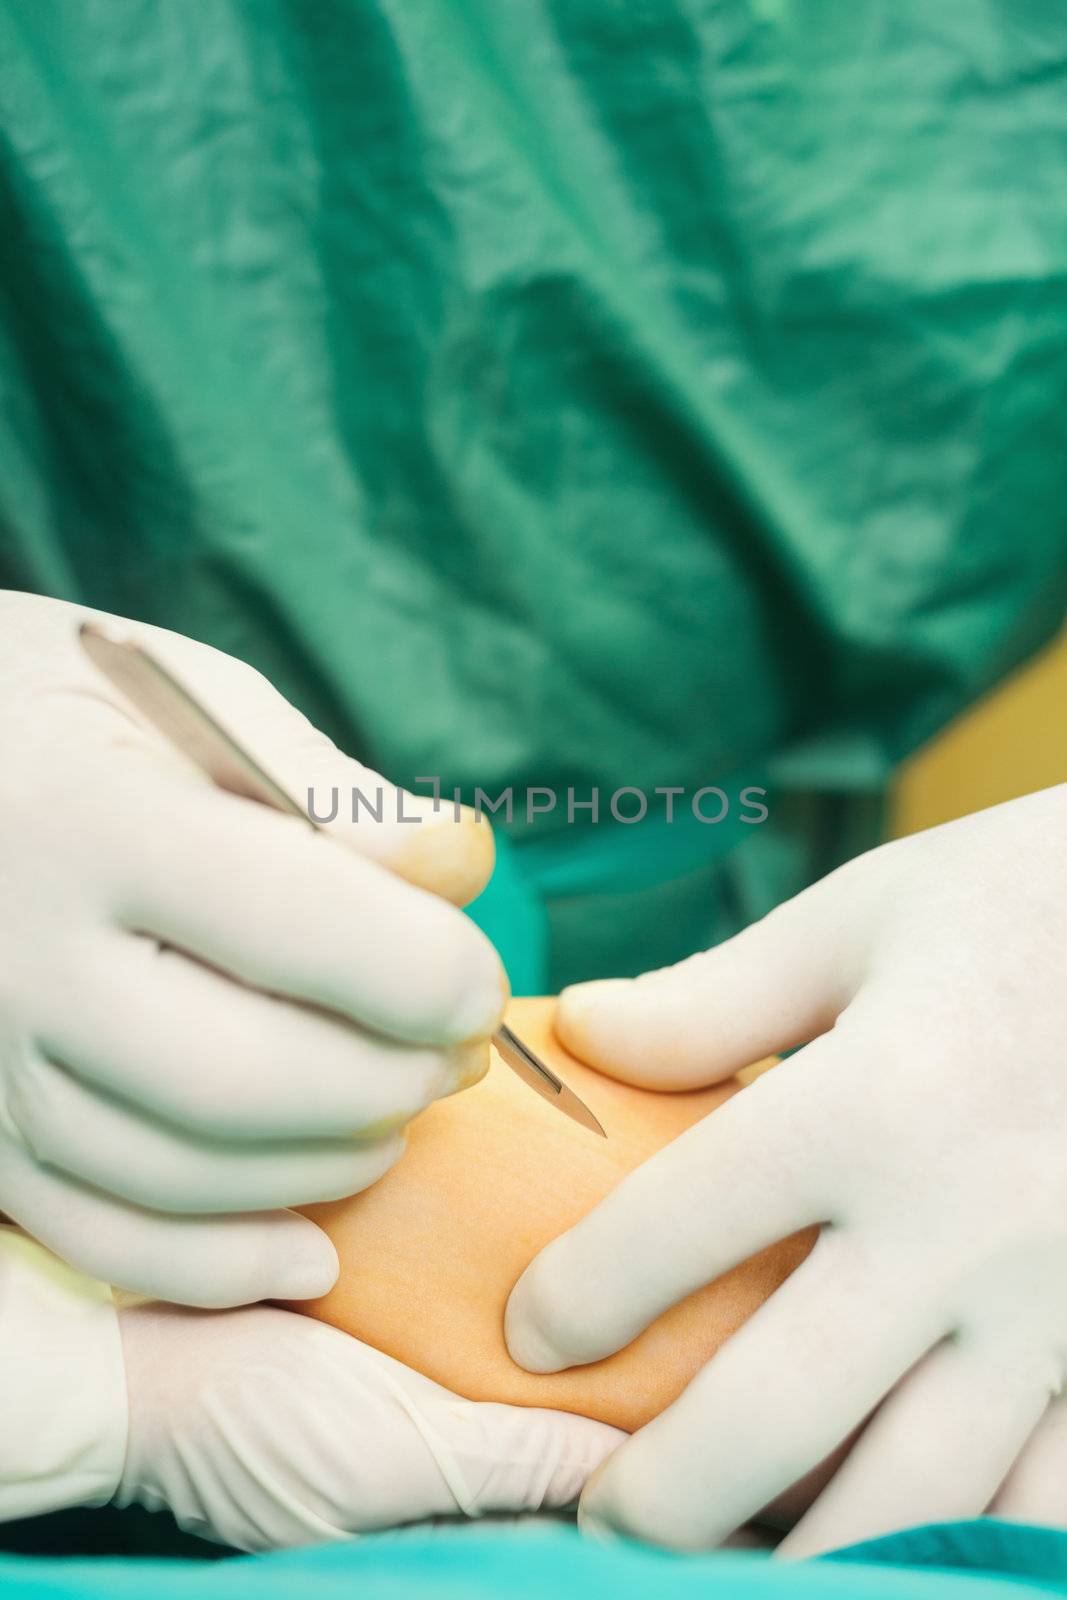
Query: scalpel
{"points": [[181, 718]]}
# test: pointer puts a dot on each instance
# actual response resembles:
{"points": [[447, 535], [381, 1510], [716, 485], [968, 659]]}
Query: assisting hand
{"points": [[259, 1428], [925, 1128], [209, 1013]]}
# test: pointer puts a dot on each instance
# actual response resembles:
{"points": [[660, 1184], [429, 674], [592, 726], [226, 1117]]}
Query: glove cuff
{"points": [[62, 1383]]}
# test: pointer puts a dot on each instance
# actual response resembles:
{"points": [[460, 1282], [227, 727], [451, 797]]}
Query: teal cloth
{"points": [[966, 1561]]}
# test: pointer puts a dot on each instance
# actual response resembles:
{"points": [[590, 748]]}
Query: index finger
{"points": [[267, 900]]}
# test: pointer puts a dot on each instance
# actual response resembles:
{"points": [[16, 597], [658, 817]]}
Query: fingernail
{"points": [[309, 1272]]}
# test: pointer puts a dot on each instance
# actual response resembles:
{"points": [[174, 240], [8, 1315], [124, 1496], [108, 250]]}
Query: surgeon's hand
{"points": [[925, 1128], [208, 1012], [259, 1428]]}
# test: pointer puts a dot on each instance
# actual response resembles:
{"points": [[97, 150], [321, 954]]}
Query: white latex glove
{"points": [[207, 1011], [925, 1127], [260, 1428]]}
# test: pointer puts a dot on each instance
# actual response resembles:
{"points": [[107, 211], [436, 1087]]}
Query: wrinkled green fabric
{"points": [[554, 393]]}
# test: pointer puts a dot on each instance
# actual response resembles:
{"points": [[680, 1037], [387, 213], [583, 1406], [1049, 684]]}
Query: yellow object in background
{"points": [[1012, 742]]}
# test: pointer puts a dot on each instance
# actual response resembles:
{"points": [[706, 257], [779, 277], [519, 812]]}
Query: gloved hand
{"points": [[925, 1127], [259, 1428], [208, 1012]]}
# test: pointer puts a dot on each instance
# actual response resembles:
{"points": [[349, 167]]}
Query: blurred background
{"points": [[1010, 743], [571, 395]]}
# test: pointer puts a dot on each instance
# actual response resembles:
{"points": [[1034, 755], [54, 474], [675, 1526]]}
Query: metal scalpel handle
{"points": [[181, 718]]}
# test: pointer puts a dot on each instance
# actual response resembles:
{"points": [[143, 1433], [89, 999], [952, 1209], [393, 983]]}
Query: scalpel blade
{"points": [[532, 1070]]}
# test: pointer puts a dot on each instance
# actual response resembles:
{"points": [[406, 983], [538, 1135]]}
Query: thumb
{"points": [[519, 1458], [779, 983], [436, 845]]}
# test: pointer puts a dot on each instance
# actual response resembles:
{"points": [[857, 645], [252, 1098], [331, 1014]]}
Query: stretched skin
{"points": [[430, 1253]]}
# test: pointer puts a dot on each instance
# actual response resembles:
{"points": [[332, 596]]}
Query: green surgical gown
{"points": [[557, 393]]}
